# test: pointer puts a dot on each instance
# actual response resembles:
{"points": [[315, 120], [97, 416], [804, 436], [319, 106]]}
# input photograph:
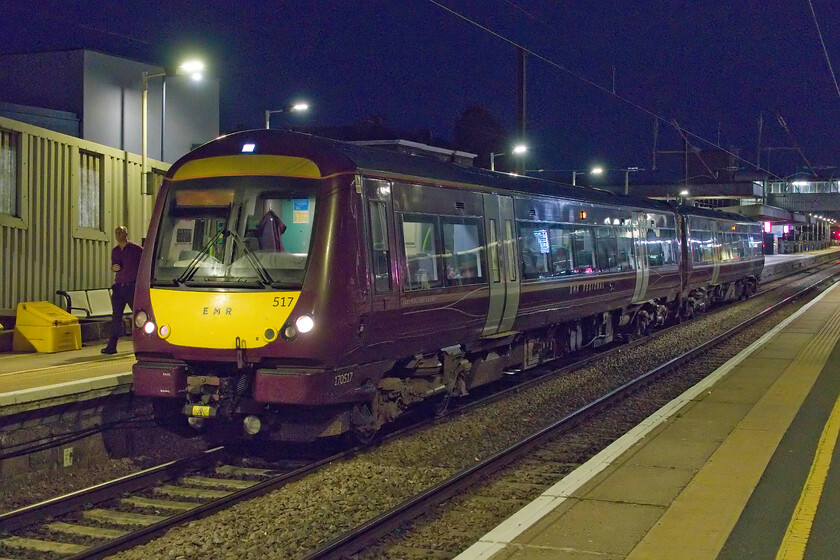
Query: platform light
{"points": [[786, 228], [767, 226]]}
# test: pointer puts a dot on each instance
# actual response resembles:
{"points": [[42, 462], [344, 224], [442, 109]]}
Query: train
{"points": [[294, 287]]}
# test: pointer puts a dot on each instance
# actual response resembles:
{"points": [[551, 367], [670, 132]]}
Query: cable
{"points": [[597, 86], [50, 442], [822, 42]]}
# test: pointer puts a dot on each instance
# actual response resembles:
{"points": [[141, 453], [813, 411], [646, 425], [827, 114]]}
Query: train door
{"points": [[716, 251], [502, 263], [384, 303], [642, 264]]}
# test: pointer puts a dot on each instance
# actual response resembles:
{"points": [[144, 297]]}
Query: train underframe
{"points": [[225, 397]]}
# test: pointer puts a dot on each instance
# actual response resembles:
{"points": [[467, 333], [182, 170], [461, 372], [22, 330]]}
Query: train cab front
{"points": [[219, 296]]}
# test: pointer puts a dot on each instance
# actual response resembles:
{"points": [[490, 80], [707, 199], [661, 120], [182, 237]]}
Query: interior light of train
{"points": [[248, 148]]}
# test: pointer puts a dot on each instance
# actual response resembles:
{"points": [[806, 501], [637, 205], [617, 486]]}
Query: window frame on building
{"points": [[82, 190], [15, 214]]}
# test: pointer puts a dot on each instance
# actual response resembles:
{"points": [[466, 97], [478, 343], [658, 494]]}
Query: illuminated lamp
{"points": [[767, 227]]}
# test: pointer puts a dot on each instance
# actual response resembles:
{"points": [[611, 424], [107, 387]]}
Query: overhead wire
{"points": [[587, 81], [825, 50]]}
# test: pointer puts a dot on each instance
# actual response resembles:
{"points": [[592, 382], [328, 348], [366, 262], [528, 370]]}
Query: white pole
{"points": [[144, 117]]}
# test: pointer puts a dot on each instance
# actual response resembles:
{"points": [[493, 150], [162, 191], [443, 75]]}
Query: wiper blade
{"points": [[192, 268], [265, 277]]}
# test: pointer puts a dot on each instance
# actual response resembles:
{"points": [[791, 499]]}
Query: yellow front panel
{"points": [[229, 166], [216, 319]]}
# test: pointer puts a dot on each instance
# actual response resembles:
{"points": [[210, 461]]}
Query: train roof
{"points": [[332, 157], [714, 214], [335, 157]]}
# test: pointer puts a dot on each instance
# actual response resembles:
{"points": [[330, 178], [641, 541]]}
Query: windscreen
{"points": [[235, 232]]}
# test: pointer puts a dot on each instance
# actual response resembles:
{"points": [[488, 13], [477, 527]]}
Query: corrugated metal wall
{"points": [[44, 247]]}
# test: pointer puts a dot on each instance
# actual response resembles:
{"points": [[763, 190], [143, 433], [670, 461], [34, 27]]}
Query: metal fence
{"points": [[61, 198]]}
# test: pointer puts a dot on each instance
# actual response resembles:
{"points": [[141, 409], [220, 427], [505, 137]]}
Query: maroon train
{"points": [[293, 287]]}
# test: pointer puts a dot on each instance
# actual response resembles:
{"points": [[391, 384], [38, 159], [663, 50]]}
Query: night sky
{"points": [[713, 66]]}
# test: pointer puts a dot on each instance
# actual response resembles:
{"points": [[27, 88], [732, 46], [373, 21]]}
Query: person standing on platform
{"points": [[125, 262]]}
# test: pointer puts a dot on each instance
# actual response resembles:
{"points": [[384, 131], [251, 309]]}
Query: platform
{"points": [[735, 468], [35, 380]]}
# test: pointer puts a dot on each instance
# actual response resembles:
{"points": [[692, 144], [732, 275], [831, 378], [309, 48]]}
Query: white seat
{"points": [[100, 302], [78, 304]]}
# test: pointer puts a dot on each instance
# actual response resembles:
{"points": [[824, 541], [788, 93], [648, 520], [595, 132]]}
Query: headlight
{"points": [[304, 324], [140, 319], [149, 327], [163, 331]]}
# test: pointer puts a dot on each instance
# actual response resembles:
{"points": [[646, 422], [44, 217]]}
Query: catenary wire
{"points": [[587, 81], [825, 51]]}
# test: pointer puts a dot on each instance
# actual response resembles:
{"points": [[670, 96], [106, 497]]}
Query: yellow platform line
{"points": [[73, 367], [799, 529]]}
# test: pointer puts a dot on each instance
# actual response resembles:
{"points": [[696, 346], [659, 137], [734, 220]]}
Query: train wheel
{"points": [[363, 437], [441, 404], [363, 428]]}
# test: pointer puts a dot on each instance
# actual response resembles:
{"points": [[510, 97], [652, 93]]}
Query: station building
{"points": [[70, 163]]}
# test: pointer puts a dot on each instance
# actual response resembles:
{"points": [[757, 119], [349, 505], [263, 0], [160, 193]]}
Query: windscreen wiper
{"points": [[265, 277], [192, 268]]}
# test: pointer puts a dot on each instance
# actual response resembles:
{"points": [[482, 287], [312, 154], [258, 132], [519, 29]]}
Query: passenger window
{"points": [[509, 250], [421, 252], [624, 245], [654, 247], [493, 256], [584, 254], [463, 251], [607, 250], [534, 251], [561, 244], [380, 249]]}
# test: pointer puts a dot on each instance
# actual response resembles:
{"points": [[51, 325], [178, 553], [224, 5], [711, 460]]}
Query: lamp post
{"points": [[287, 109], [627, 172], [518, 149], [593, 171], [193, 68]]}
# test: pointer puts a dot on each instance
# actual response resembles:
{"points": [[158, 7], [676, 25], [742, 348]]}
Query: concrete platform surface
{"points": [[688, 482]]}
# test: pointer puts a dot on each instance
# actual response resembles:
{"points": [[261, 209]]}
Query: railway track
{"points": [[136, 508], [364, 536], [209, 493]]}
